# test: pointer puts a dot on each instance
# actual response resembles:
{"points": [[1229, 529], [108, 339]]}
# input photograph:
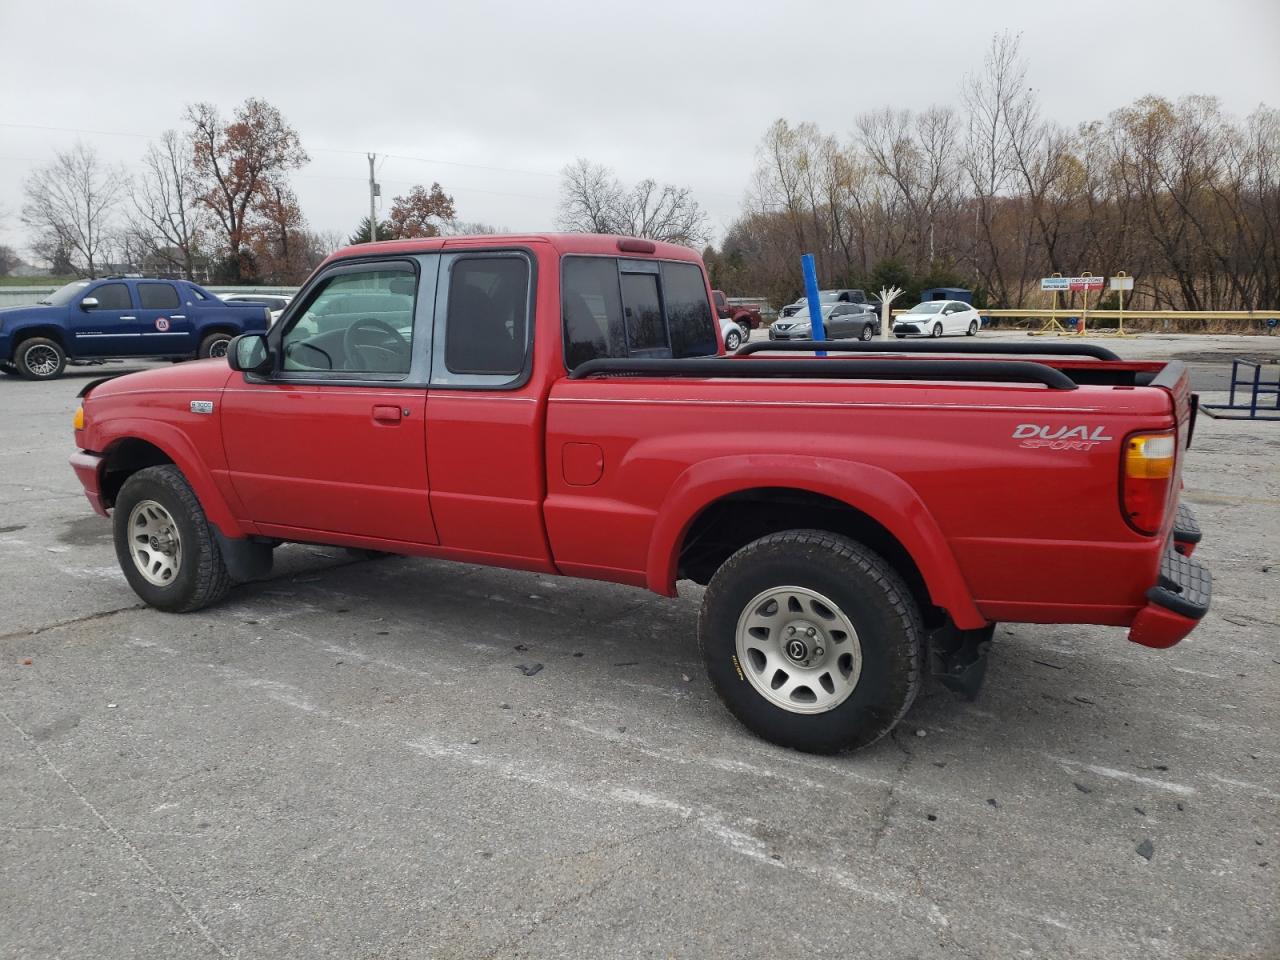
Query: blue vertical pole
{"points": [[811, 294]]}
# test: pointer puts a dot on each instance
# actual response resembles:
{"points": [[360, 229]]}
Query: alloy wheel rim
{"points": [[798, 649], [42, 360], [154, 543], [218, 348]]}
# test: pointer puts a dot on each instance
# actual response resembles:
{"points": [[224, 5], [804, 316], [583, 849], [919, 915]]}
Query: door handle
{"points": [[128, 318], [385, 413], [177, 316]]}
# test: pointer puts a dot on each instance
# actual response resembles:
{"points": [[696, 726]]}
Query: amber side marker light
{"points": [[1149, 460], [78, 420]]}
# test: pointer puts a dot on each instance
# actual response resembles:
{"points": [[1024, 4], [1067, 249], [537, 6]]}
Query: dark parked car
{"points": [[116, 317]]}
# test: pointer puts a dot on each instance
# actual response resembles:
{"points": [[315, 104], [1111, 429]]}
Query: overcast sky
{"points": [[493, 98]]}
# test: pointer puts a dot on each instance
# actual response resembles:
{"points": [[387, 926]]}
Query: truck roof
{"points": [[597, 244]]}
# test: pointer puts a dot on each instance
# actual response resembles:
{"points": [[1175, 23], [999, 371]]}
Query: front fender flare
{"points": [[881, 495], [177, 446]]}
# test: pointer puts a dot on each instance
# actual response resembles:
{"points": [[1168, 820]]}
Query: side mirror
{"points": [[89, 303], [249, 353]]}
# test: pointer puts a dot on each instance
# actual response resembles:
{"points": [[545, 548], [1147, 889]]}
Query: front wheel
{"points": [[812, 641], [973, 329], [936, 331], [40, 358], [214, 345], [164, 543]]}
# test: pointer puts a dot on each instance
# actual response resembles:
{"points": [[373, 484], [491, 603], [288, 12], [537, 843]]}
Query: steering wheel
{"points": [[379, 357]]}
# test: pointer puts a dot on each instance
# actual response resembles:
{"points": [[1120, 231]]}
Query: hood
{"points": [[7, 313], [199, 375]]}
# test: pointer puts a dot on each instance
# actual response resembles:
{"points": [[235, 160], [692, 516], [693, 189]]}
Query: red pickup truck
{"points": [[552, 403]]}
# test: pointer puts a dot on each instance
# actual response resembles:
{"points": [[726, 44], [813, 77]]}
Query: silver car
{"points": [[840, 321]]}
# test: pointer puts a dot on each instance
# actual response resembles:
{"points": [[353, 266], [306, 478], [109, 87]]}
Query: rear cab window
{"points": [[615, 307]]}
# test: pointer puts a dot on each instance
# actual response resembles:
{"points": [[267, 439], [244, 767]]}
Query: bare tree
{"points": [[592, 200], [167, 215], [69, 205], [8, 259], [665, 212]]}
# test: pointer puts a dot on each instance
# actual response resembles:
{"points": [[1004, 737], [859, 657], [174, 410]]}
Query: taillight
{"points": [[1147, 479]]}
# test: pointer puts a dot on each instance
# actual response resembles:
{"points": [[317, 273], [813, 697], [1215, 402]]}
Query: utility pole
{"points": [[373, 193]]}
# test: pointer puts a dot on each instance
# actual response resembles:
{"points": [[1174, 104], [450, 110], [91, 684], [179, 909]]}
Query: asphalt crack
{"points": [[163, 886]]}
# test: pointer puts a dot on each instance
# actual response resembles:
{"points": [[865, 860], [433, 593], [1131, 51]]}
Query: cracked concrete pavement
{"points": [[344, 761]]}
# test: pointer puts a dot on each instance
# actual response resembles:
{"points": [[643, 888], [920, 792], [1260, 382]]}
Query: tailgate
{"points": [[1175, 380]]}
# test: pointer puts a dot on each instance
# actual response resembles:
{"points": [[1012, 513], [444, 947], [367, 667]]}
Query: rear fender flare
{"points": [[879, 494]]}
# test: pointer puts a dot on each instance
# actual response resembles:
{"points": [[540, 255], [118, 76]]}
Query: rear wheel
{"points": [[164, 543], [812, 641], [936, 331], [214, 345], [867, 333], [732, 340], [973, 329], [40, 358]]}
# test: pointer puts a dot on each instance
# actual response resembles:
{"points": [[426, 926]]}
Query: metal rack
{"points": [[1257, 389]]}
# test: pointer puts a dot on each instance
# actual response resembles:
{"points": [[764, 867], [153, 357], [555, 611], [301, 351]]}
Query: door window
{"points": [[357, 321], [113, 296], [157, 296], [487, 316]]}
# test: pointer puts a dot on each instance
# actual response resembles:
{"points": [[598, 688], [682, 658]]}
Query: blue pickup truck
{"points": [[118, 317]]}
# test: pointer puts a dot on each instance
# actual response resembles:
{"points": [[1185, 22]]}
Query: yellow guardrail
{"points": [[1053, 318]]}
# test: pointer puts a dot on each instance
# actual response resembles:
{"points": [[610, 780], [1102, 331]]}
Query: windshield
{"points": [[933, 306], [64, 295], [803, 313]]}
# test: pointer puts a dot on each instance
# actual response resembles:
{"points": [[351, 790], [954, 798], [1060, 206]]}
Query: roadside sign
{"points": [[1122, 283], [1071, 283]]}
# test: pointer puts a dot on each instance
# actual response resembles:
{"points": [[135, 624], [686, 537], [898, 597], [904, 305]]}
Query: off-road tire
{"points": [[212, 341], [202, 578], [867, 590], [40, 346]]}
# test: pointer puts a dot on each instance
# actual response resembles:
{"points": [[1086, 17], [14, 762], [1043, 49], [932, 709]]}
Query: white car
{"points": [[938, 318], [734, 336], [271, 301]]}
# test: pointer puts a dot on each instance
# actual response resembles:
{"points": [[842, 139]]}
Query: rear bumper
{"points": [[1177, 602], [88, 468], [1186, 531]]}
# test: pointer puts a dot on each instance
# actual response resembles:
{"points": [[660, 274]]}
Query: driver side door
{"points": [[333, 440]]}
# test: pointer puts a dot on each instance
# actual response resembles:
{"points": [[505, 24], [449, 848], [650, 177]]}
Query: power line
{"points": [[342, 150]]}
